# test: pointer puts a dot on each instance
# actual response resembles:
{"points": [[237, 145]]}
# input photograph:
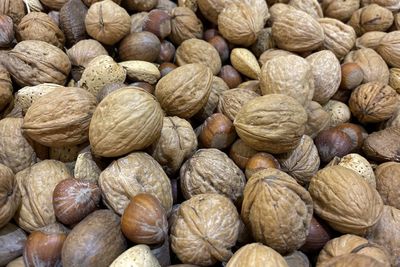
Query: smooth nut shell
{"points": [[387, 181], [13, 241]]}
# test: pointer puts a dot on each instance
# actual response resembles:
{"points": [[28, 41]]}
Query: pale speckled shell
{"points": [[339, 112], [245, 62], [137, 256], [394, 79], [359, 164], [141, 71]]}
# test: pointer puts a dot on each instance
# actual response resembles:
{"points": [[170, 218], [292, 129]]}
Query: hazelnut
{"points": [[145, 86], [210, 33], [140, 46], [6, 31], [74, 199], [356, 133], [108, 89], [342, 96], [240, 153], [217, 132], [333, 143], [144, 220], [137, 21], [259, 162], [230, 76], [352, 76], [221, 45], [166, 68], [167, 52], [319, 234], [140, 5], [159, 23]]}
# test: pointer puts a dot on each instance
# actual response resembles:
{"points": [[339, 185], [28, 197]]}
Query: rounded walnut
{"points": [[126, 120], [15, 9], [212, 171], [311, 7], [388, 182], [185, 25], [394, 79], [392, 5], [9, 197], [373, 102], [218, 87], [36, 185], [371, 18], [272, 53], [348, 209], [133, 174], [340, 9], [259, 130], [318, 119], [6, 89], [177, 143], [288, 75], [383, 145], [389, 48], [360, 165], [211, 9], [263, 207], [209, 234], [231, 101], [370, 40]]}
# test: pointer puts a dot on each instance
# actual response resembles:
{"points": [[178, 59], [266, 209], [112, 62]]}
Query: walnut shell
{"points": [[392, 5], [271, 53], [86, 168], [348, 209], [256, 255], [39, 26], [9, 197], [185, 90], [16, 152], [289, 75], [383, 145], [373, 102], [35, 62], [133, 174], [339, 112], [387, 182], [139, 255], [327, 75], [318, 119], [218, 86], [205, 229], [370, 40], [355, 260], [185, 25], [301, 163], [198, 51], [212, 171], [72, 21], [6, 88], [61, 117], [36, 185], [311, 7], [107, 22], [231, 101], [389, 48], [263, 207], [211, 9], [260, 131], [371, 18], [13, 9], [296, 31], [126, 120], [394, 79], [340, 9], [177, 143], [12, 240], [372, 64]]}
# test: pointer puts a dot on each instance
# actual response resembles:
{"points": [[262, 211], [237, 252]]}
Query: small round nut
{"points": [[217, 131], [158, 22], [140, 46], [333, 143], [231, 76], [352, 76], [259, 162]]}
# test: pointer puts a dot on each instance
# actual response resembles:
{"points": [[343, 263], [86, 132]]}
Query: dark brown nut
{"points": [[9, 196], [214, 242], [6, 31], [167, 52], [211, 171], [356, 133], [373, 102], [342, 95], [13, 241], [35, 62], [352, 76], [137, 21], [264, 42], [16, 152], [91, 2], [72, 21], [217, 131], [271, 53], [159, 23], [177, 143], [166, 68], [43, 247], [389, 48], [256, 254], [74, 199], [301, 163], [211, 9], [140, 5], [162, 253], [383, 145], [370, 40], [387, 182], [297, 31], [318, 119], [298, 82], [371, 63], [267, 185], [357, 207], [71, 111], [317, 237], [185, 90], [36, 185], [231, 76], [184, 25], [210, 33], [108, 89], [107, 22], [13, 9], [260, 161], [240, 153], [333, 143], [221, 46], [6, 88], [142, 122], [385, 233], [339, 37], [198, 51], [371, 18], [140, 46], [231, 101], [144, 220], [96, 241], [340, 9], [145, 86], [311, 7]]}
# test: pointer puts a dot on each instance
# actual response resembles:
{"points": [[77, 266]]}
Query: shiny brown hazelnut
{"points": [[217, 131], [43, 247], [319, 234], [356, 133], [259, 162], [140, 46], [231, 76], [108, 89], [352, 76], [74, 199], [240, 153], [222, 47], [159, 23], [166, 68], [144, 220], [167, 52], [145, 86], [332, 143], [342, 95], [6, 31], [209, 34]]}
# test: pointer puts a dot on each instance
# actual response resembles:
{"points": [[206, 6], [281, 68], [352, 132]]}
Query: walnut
{"points": [[389, 48], [394, 79], [272, 53], [231, 101], [340, 9], [211, 8], [392, 5], [9, 195], [15, 9], [371, 18], [348, 209], [318, 119], [263, 207], [184, 25], [311, 7], [383, 145], [370, 40], [339, 112], [353, 260], [387, 182], [6, 88], [210, 233], [54, 4]]}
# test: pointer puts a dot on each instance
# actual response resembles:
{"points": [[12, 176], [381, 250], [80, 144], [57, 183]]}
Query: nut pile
{"points": [[156, 133]]}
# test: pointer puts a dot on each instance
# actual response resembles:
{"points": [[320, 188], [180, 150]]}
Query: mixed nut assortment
{"points": [[199, 133]]}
